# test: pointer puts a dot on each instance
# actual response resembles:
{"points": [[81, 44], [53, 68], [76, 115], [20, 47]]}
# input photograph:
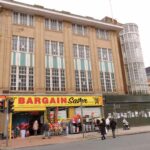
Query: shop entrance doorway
{"points": [[28, 118]]}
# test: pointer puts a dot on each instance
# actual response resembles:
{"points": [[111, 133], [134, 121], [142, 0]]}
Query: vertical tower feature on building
{"points": [[133, 59]]}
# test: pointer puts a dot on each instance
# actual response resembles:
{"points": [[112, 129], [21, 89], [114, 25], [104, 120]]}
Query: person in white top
{"points": [[35, 127], [107, 123], [125, 124]]}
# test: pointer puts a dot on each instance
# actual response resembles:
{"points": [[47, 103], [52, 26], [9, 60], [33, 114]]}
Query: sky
{"points": [[125, 11]]}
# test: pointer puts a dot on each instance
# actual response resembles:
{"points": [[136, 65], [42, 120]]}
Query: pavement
{"points": [[37, 140]]}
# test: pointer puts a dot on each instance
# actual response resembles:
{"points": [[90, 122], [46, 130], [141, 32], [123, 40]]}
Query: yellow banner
{"points": [[41, 102]]}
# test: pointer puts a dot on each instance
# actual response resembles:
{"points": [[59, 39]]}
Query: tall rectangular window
{"points": [[15, 43], [83, 77], [22, 64], [55, 66], [107, 75], [23, 44]]}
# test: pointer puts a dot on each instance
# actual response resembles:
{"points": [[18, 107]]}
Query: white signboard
{"points": [[92, 111]]}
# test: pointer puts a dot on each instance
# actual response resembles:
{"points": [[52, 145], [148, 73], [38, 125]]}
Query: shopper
{"points": [[125, 124], [46, 132], [107, 123], [35, 127], [113, 125], [103, 128]]}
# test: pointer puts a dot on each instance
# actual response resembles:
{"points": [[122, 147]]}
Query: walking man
{"points": [[103, 128], [113, 127], [46, 132]]}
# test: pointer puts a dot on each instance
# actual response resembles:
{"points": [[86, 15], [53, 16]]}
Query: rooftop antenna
{"points": [[111, 11]]}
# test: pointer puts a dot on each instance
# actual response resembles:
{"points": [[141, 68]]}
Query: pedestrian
{"points": [[107, 123], [102, 128], [35, 127], [125, 124], [113, 125], [46, 132]]}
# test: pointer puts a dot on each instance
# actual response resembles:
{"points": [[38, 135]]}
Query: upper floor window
{"points": [[79, 29], [22, 19], [54, 48], [102, 34], [52, 24], [22, 44], [81, 51], [105, 54]]}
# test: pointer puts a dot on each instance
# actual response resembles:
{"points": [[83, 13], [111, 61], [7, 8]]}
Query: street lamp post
{"points": [[82, 117]]}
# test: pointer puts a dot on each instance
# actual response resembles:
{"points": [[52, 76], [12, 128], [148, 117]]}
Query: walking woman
{"points": [[113, 125], [35, 127]]}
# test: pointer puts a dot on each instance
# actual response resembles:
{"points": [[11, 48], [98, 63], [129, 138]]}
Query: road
{"points": [[129, 142]]}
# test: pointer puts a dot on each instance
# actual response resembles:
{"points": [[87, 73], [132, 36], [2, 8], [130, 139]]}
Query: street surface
{"points": [[127, 142]]}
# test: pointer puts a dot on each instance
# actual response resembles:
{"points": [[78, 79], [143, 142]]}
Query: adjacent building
{"points": [[133, 60]]}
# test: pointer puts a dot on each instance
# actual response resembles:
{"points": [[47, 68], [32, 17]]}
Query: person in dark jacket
{"points": [[103, 128], [46, 132], [113, 125]]}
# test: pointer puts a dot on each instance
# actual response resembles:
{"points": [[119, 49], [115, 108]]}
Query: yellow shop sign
{"points": [[41, 102]]}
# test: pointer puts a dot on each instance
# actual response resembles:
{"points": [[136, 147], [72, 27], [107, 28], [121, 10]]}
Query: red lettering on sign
{"points": [[21, 100], [58, 101], [37, 100], [42, 100], [52, 100], [29, 101], [63, 100], [45, 100]]}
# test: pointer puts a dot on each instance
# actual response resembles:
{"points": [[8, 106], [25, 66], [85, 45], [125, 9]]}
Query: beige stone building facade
{"points": [[51, 59], [43, 51]]}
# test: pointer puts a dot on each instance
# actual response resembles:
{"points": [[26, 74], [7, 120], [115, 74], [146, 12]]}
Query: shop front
{"points": [[54, 109]]}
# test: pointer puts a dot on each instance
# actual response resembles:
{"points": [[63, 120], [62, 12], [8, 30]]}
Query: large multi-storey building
{"points": [[133, 60], [51, 58]]}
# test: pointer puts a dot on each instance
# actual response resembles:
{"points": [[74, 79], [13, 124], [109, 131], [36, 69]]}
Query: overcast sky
{"points": [[125, 11]]}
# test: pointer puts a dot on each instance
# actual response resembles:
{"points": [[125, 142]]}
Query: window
{"points": [[15, 18], [52, 24], [22, 44], [81, 51], [106, 70], [55, 67], [31, 81], [55, 79], [31, 44], [13, 77], [79, 29], [83, 81], [22, 64], [54, 48], [22, 78], [23, 19], [15, 40], [102, 34], [83, 77]]}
